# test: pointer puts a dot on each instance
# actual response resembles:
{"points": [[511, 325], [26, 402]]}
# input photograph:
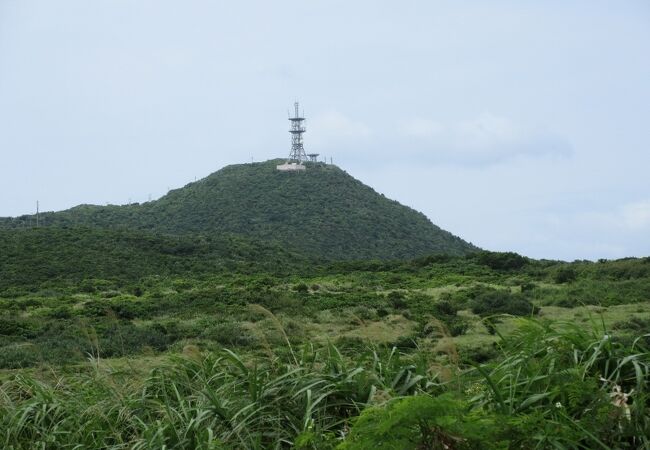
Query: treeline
{"points": [[41, 257], [37, 258]]}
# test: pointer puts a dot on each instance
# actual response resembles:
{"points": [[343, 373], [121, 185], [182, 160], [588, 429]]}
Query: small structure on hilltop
{"points": [[297, 155]]}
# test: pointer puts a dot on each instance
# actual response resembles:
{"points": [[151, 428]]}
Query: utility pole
{"points": [[37, 214]]}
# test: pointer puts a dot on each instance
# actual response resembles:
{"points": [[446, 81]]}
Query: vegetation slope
{"points": [[323, 213]]}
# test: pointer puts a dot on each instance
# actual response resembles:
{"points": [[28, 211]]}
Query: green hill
{"points": [[323, 212]]}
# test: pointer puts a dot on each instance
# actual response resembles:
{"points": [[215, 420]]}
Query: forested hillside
{"points": [[323, 213]]}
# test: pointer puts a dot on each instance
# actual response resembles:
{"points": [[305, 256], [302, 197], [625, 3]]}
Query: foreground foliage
{"points": [[553, 386]]}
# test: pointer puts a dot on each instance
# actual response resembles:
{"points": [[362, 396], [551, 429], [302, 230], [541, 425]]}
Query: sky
{"points": [[517, 125]]}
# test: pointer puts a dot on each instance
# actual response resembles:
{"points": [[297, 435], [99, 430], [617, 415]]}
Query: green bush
{"points": [[301, 288], [506, 261], [405, 343], [633, 324], [382, 312], [422, 422], [457, 326], [495, 301], [565, 274], [18, 356], [123, 338], [396, 300], [528, 287], [479, 355], [364, 313], [61, 312], [10, 326], [229, 334]]}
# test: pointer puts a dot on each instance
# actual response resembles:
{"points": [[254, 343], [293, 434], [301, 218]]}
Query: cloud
{"points": [[481, 141], [334, 126], [484, 131], [636, 216], [421, 128], [613, 232], [484, 140], [629, 217]]}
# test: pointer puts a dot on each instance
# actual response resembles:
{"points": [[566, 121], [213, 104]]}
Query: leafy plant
{"points": [[422, 422]]}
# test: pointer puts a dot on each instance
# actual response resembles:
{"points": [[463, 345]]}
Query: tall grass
{"points": [[563, 386], [555, 386], [219, 400]]}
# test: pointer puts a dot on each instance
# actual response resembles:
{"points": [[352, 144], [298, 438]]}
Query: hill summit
{"points": [[322, 212]]}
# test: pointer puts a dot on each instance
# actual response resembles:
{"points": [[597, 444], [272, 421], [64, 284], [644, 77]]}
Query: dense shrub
{"points": [[382, 312], [124, 338], [446, 311], [18, 356], [633, 324], [478, 355], [61, 312], [528, 287], [301, 288], [229, 334], [565, 274], [422, 422], [497, 301], [501, 261], [404, 343], [10, 326], [397, 300], [364, 313]]}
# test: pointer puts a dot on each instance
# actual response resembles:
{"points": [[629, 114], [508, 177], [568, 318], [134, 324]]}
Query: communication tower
{"points": [[297, 155], [297, 129]]}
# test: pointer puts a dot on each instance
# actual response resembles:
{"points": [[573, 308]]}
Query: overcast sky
{"points": [[517, 125]]}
